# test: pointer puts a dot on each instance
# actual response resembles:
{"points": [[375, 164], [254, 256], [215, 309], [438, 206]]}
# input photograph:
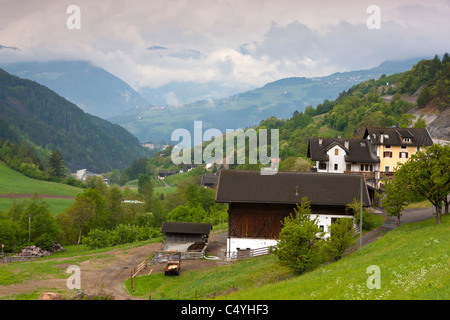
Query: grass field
{"points": [[56, 205], [12, 181], [413, 261]]}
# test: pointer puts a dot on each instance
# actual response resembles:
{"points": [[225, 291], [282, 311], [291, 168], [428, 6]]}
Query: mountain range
{"points": [[91, 88], [280, 98], [102, 94]]}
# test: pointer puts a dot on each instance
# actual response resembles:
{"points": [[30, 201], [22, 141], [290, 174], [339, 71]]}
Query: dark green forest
{"points": [[35, 115]]}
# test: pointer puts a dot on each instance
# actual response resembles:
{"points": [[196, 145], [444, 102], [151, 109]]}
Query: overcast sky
{"points": [[239, 43]]}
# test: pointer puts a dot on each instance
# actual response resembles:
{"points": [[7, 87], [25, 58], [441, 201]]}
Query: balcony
{"points": [[373, 175], [368, 175]]}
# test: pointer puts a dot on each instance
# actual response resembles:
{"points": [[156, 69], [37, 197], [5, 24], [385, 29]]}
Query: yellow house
{"points": [[394, 145]]}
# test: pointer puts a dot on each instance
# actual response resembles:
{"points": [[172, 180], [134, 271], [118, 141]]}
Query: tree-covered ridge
{"points": [[372, 103], [37, 115]]}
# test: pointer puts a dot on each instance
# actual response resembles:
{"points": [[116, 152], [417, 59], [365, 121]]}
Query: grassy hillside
{"points": [[413, 261], [13, 182]]}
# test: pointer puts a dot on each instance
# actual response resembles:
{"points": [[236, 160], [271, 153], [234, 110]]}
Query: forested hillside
{"points": [[377, 103], [33, 114]]}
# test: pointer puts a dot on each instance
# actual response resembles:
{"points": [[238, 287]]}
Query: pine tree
{"points": [[56, 165]]}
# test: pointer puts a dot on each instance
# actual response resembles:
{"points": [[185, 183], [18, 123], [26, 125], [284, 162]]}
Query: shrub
{"points": [[341, 237], [299, 247]]}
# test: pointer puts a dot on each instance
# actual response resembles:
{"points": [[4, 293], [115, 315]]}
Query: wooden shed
{"points": [[180, 235]]}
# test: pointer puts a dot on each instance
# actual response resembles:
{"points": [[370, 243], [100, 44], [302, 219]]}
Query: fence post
{"points": [[132, 284], [150, 294]]}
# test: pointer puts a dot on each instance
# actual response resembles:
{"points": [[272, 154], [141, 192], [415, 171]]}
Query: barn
{"points": [[180, 235], [258, 203]]}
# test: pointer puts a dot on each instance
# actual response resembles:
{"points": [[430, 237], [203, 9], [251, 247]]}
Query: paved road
{"points": [[409, 215]]}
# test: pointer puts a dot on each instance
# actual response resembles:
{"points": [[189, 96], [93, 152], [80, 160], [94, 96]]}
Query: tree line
{"points": [[104, 216]]}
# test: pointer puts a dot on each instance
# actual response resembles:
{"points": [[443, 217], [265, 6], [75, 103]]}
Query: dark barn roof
{"points": [[419, 136], [186, 227], [320, 188], [210, 178], [358, 150]]}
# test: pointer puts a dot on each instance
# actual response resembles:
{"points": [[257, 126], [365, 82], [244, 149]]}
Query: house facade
{"points": [[336, 155], [375, 156], [396, 145], [259, 203]]}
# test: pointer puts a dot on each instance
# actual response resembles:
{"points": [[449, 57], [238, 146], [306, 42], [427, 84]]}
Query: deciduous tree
{"points": [[427, 175]]}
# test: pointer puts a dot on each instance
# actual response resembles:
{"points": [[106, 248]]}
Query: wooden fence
{"points": [[8, 259], [162, 256], [243, 254]]}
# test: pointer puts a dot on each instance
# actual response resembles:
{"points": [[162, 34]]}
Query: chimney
{"points": [[346, 144], [320, 141]]}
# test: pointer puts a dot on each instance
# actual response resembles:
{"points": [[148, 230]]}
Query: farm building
{"points": [[258, 203], [181, 235], [210, 179]]}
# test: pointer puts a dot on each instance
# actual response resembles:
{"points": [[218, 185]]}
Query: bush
{"points": [[100, 238], [341, 237]]}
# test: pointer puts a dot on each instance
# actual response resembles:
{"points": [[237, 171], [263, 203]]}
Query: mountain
{"points": [[280, 98], [33, 113], [91, 88], [385, 102]]}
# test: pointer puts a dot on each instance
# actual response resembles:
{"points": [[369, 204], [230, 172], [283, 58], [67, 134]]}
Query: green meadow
{"points": [[12, 181], [413, 264]]}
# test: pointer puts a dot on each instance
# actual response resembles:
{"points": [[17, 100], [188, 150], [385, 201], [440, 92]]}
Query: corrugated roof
{"points": [[289, 188], [186, 227]]}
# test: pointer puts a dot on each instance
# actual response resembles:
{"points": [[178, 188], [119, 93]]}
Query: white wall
{"points": [[336, 159], [253, 243]]}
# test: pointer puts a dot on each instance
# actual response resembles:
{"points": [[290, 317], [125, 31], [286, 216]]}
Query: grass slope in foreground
{"points": [[413, 260]]}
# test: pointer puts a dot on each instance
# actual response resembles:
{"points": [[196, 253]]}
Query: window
{"points": [[362, 168], [418, 149], [403, 155], [386, 168], [387, 154], [322, 166], [349, 167], [387, 146], [335, 166], [322, 228], [407, 140], [403, 147], [336, 152]]}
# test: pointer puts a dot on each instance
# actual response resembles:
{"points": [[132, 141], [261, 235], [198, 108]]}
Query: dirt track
{"points": [[30, 195], [108, 274]]}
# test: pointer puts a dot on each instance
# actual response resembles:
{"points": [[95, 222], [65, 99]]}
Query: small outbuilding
{"points": [[181, 235]]}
